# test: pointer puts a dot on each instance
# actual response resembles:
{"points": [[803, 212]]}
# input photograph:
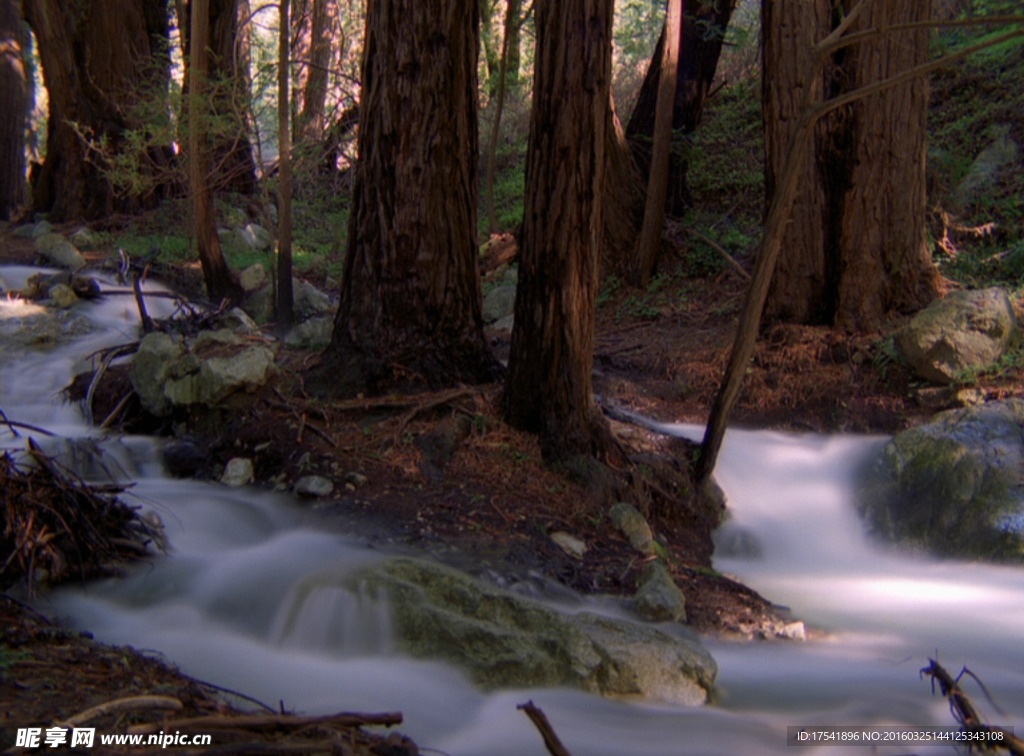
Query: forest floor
{"points": [[441, 473]]}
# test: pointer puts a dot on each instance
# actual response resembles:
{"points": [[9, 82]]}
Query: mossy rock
{"points": [[954, 486]]}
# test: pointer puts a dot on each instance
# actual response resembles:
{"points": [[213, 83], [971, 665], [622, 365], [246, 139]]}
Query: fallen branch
{"points": [[720, 250], [269, 722], [551, 741], [965, 712], [119, 705]]}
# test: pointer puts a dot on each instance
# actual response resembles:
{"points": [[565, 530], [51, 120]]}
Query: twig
{"points": [[965, 712], [12, 424], [551, 741], [133, 703], [269, 722], [116, 411]]}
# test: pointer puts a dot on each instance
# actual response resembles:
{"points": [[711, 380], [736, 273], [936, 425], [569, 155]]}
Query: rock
{"points": [[569, 543], [632, 524], [238, 321], [252, 277], [25, 231], [953, 486], [54, 249], [148, 373], [659, 598], [355, 480], [41, 228], [308, 302], [499, 302], [83, 238], [262, 239], [214, 366], [314, 486], [238, 472], [503, 639], [314, 333], [184, 458], [1001, 154], [966, 330], [793, 631], [504, 324], [62, 296]]}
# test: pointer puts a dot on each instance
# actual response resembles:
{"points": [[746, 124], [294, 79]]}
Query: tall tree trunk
{"points": [[14, 102], [549, 387], [513, 25], [700, 45], [98, 63], [220, 281], [284, 190], [856, 246], [657, 185], [226, 115], [309, 121], [410, 296]]}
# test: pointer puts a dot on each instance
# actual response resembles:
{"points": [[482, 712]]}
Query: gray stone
{"points": [[314, 486], [215, 365], [659, 598], [953, 486], [964, 331], [355, 480], [41, 228], [252, 277], [569, 543], [262, 239], [503, 639], [632, 524], [238, 321], [308, 302], [504, 324], [238, 472], [83, 238], [499, 302], [62, 296], [55, 250], [1001, 154], [314, 333], [156, 352]]}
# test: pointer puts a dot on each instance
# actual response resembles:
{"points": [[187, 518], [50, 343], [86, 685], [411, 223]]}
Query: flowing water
{"points": [[249, 599]]}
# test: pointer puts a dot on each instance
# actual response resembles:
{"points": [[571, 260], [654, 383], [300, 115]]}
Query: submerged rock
{"points": [[953, 486], [503, 639]]}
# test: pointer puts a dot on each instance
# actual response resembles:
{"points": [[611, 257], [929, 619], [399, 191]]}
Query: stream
{"points": [[225, 606]]}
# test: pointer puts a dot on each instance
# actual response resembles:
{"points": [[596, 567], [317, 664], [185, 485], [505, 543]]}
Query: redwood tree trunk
{"points": [[410, 297], [549, 387], [98, 61], [856, 246], [700, 45], [316, 50], [14, 101]]}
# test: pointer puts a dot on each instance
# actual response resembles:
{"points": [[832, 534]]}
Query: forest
{"points": [[487, 246]]}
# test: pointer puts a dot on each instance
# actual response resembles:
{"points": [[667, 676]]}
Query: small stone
{"points": [[570, 544], [356, 479], [238, 472], [659, 598], [632, 524], [62, 296], [252, 277], [314, 486], [794, 631]]}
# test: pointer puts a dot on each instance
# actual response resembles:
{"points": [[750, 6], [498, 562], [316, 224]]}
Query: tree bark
{"points": [[14, 102], [700, 45], [657, 186], [549, 387], [856, 246], [99, 62], [284, 193], [309, 121], [220, 281], [410, 297], [225, 117]]}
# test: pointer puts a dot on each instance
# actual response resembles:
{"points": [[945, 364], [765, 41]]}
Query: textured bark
{"points": [[99, 60], [220, 281], [549, 388], [855, 248], [14, 103], [233, 167], [410, 301], [314, 50], [700, 45], [285, 298]]}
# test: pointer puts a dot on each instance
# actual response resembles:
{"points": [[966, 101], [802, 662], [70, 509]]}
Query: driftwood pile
{"points": [[55, 526]]}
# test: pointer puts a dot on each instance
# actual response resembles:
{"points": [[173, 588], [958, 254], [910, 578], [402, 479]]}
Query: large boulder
{"points": [[308, 301], [953, 486], [54, 249], [215, 365], [964, 331], [503, 639]]}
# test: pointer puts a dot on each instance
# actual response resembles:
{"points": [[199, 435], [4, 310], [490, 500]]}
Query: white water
{"points": [[249, 600]]}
